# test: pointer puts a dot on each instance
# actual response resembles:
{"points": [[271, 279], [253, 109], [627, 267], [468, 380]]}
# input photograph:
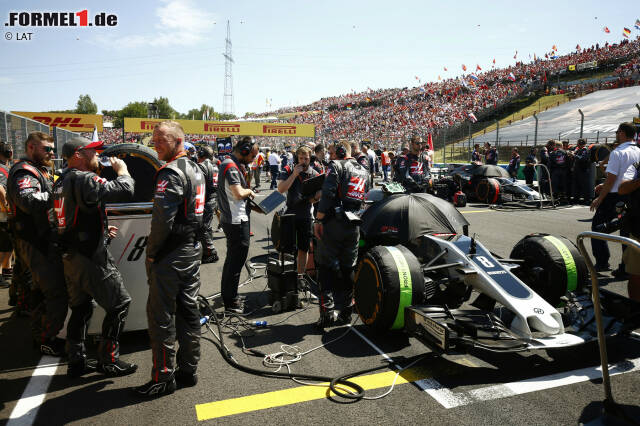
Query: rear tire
{"points": [[488, 191], [142, 163]]}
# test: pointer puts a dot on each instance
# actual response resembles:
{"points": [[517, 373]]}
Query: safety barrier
{"points": [[595, 295]]}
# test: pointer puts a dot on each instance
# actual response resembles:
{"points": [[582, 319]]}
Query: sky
{"points": [[285, 52]]}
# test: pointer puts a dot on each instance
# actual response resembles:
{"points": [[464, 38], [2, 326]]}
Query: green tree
{"points": [[132, 109], [164, 109], [85, 105], [227, 117]]}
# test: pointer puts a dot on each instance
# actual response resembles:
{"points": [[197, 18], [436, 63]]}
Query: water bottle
{"points": [[104, 161], [259, 323], [204, 320]]}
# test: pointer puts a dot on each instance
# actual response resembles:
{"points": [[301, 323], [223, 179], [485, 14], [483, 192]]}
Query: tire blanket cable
{"points": [[336, 384]]}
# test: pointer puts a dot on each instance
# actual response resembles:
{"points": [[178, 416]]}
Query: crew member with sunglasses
{"points": [[29, 188], [412, 169]]}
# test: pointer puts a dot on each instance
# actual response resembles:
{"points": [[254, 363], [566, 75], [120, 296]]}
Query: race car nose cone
{"points": [[545, 323]]}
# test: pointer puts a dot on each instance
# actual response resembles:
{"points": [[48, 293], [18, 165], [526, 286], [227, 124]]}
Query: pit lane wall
{"points": [[225, 128]]}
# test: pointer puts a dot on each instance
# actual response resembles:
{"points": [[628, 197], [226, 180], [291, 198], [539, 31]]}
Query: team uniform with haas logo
{"points": [[342, 197], [83, 235], [412, 171], [29, 194], [173, 269]]}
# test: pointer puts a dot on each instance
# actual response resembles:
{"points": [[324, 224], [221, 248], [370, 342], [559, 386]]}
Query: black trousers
{"points": [[237, 251], [274, 176], [606, 211]]}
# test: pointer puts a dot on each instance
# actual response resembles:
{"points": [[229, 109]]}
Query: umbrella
{"points": [[489, 170], [402, 217]]}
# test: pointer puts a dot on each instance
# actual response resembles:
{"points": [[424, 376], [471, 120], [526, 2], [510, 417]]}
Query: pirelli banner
{"points": [[225, 128], [71, 122]]}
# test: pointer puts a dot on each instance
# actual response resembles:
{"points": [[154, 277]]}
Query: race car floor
{"points": [[562, 387]]}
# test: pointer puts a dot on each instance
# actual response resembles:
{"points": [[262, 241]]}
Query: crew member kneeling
{"points": [[79, 196], [337, 228], [173, 264]]}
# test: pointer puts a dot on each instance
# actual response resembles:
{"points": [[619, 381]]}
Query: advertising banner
{"points": [[71, 122], [224, 128]]}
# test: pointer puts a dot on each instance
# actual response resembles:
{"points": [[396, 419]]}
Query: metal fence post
{"points": [[638, 106], [581, 121], [469, 134], [535, 133], [497, 131], [444, 147], [597, 136]]}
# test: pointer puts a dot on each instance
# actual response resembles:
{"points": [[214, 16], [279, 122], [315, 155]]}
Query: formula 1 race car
{"points": [[487, 184], [420, 272]]}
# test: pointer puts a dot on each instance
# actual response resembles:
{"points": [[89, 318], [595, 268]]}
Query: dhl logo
{"points": [[148, 125], [72, 123], [278, 130], [221, 128]]}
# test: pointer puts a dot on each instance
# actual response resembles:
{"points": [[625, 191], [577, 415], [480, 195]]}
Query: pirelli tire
{"points": [[552, 266], [142, 163], [488, 191], [388, 279]]}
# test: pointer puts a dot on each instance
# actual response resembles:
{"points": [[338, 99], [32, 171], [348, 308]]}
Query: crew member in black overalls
{"points": [[79, 197], [514, 164], [476, 158], [529, 170], [210, 173], [173, 265], [581, 183], [337, 228], [290, 181], [29, 193], [318, 163], [490, 154], [412, 169], [558, 162]]}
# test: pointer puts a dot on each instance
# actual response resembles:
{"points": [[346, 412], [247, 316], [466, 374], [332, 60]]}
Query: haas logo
{"points": [[58, 205], [356, 187], [416, 168]]}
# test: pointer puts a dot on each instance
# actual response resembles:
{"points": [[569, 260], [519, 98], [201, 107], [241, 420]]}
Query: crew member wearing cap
{"points": [[29, 193], [79, 197], [173, 265]]}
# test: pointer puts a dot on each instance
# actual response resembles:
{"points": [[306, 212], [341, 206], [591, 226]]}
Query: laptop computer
{"points": [[270, 203], [312, 185]]}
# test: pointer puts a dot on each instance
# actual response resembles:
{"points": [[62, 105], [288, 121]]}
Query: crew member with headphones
{"points": [[233, 192], [337, 229]]}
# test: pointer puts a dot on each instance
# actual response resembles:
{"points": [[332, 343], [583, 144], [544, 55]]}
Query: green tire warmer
{"points": [[552, 266], [388, 279]]}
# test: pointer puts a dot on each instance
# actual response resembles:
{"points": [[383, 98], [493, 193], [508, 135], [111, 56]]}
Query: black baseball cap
{"points": [[72, 145]]}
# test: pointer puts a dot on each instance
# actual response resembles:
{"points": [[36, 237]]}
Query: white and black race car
{"points": [[426, 276], [488, 184]]}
